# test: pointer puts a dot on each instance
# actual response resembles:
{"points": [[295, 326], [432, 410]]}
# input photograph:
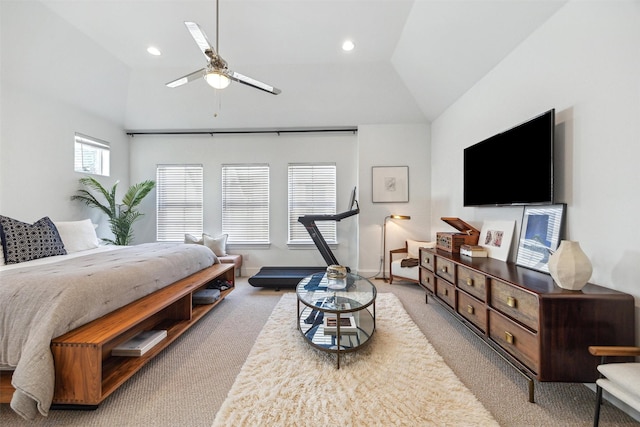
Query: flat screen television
{"points": [[514, 167]]}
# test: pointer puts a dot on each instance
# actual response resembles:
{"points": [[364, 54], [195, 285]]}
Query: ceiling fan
{"points": [[216, 73]]}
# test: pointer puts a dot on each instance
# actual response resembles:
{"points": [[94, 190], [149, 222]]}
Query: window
{"points": [[179, 203], [91, 155], [245, 203], [312, 191]]}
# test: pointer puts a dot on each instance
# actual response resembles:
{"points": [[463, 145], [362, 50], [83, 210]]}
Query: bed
{"points": [[49, 297]]}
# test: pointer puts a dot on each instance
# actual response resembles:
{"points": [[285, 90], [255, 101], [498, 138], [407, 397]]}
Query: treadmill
{"points": [[289, 277]]}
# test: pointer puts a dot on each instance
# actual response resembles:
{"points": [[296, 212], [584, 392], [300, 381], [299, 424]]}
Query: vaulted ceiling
{"points": [[412, 59]]}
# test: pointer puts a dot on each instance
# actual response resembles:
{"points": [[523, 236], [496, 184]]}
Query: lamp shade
{"points": [[217, 80], [394, 216]]}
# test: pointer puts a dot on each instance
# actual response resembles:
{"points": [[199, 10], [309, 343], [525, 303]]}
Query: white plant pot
{"points": [[569, 266]]}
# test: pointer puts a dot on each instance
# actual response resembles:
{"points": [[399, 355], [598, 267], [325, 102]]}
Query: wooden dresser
{"points": [[540, 329]]}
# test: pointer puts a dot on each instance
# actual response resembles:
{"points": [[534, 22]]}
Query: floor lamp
{"points": [[384, 241]]}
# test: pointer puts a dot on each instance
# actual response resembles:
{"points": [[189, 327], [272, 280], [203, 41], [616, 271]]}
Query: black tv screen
{"points": [[514, 167]]}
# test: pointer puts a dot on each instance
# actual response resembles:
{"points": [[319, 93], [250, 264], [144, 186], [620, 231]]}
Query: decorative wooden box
{"points": [[451, 242]]}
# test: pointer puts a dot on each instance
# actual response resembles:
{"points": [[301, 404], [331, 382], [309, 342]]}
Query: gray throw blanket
{"points": [[40, 303]]}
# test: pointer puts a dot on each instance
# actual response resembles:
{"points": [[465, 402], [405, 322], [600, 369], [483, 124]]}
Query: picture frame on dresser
{"points": [[496, 237], [541, 230], [390, 184]]}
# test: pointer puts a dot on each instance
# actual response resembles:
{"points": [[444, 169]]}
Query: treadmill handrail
{"points": [[328, 217]]}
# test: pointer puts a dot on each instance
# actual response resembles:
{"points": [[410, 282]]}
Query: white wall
{"points": [[354, 155], [48, 75], [583, 62], [393, 145], [277, 151]]}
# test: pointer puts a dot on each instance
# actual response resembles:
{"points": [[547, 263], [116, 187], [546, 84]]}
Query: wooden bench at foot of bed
{"points": [[86, 373]]}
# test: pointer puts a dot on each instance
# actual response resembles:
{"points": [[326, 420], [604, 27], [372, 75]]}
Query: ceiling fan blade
{"points": [[252, 82], [188, 78], [201, 39]]}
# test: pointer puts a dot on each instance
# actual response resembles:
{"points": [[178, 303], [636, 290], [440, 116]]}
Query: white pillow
{"points": [[77, 235], [217, 244], [413, 247], [191, 239]]}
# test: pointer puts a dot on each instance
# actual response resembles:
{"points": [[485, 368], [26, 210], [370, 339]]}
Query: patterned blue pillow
{"points": [[24, 242]]}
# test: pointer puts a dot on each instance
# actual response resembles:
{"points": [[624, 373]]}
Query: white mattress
{"points": [[57, 258]]}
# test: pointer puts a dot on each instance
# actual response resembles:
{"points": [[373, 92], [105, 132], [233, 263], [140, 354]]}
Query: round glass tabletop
{"points": [[352, 293]]}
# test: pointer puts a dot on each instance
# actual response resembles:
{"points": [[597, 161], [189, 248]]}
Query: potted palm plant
{"points": [[121, 216]]}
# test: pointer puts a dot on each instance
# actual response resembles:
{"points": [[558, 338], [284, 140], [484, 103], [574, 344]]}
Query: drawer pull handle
{"points": [[509, 337], [512, 302], [469, 281], [470, 309], [426, 260], [446, 292], [444, 269]]}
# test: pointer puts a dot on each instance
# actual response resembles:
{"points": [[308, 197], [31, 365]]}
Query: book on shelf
{"points": [[473, 251], [139, 344], [347, 325]]}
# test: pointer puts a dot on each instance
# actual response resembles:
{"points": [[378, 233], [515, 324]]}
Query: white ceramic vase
{"points": [[569, 266]]}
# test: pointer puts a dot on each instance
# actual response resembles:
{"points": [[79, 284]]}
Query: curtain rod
{"points": [[240, 131]]}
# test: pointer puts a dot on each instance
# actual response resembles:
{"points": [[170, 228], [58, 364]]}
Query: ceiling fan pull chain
{"points": [[217, 99]]}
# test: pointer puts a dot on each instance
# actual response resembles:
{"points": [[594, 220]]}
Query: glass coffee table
{"points": [[336, 315]]}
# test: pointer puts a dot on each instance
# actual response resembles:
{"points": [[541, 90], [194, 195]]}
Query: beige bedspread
{"points": [[40, 303]]}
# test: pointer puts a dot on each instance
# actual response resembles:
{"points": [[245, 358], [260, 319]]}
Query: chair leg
{"points": [[596, 417]]}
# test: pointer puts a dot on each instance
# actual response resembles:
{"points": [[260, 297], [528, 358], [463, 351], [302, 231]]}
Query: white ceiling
{"points": [[412, 58]]}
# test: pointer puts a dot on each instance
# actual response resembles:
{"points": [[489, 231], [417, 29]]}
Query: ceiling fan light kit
{"points": [[217, 74], [217, 80]]}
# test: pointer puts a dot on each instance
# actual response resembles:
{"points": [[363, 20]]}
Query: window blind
{"points": [[179, 203], [245, 203], [312, 191], [91, 155]]}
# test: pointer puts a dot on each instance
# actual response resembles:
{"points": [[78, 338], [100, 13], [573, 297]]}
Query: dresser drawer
{"points": [[516, 303], [472, 310], [472, 282], [427, 260], [518, 341], [427, 279], [446, 291], [445, 269]]}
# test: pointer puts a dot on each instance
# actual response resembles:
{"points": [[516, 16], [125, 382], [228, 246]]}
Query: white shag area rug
{"points": [[396, 380]]}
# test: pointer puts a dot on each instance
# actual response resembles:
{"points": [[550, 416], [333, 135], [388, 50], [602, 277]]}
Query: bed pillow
{"points": [[191, 239], [413, 247], [217, 244], [23, 242], [77, 235]]}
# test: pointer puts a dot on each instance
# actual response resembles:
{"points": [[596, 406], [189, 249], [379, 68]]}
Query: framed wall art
{"points": [[390, 184], [496, 237], [541, 230]]}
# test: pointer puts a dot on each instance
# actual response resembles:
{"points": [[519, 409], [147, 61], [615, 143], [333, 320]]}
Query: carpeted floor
{"points": [[187, 384], [292, 384]]}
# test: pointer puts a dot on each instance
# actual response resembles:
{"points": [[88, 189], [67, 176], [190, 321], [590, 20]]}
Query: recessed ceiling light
{"points": [[348, 46], [154, 51]]}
